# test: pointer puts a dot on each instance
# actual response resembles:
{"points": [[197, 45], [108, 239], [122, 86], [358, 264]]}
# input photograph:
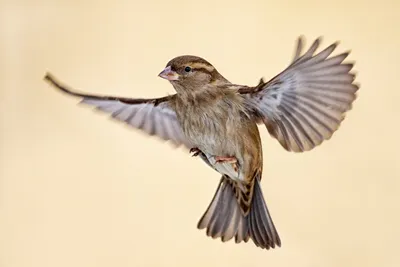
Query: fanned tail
{"points": [[225, 218]]}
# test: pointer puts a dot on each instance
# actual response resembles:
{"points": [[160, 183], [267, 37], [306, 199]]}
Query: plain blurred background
{"points": [[78, 189]]}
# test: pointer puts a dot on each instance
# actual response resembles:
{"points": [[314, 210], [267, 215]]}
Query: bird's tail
{"points": [[224, 217]]}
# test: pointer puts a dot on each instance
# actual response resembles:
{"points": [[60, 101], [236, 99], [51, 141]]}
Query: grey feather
{"points": [[157, 120], [307, 102], [223, 217]]}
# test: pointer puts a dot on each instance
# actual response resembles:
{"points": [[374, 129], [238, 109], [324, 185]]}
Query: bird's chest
{"points": [[210, 125]]}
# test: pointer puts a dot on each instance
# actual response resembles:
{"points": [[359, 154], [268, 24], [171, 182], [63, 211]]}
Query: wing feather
{"points": [[306, 103], [152, 116]]}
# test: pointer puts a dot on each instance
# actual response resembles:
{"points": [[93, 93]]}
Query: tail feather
{"points": [[242, 233], [225, 219], [263, 231], [224, 223]]}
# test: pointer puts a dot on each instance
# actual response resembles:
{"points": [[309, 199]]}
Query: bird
{"points": [[218, 121]]}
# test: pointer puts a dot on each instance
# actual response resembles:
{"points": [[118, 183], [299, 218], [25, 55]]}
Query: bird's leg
{"points": [[195, 151], [232, 160], [220, 159]]}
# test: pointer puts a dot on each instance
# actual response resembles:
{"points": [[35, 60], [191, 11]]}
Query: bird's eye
{"points": [[188, 69]]}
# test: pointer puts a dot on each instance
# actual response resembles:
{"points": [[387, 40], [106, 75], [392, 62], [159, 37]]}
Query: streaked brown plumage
{"points": [[301, 107]]}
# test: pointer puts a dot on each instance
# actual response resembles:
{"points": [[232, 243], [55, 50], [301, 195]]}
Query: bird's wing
{"points": [[153, 116], [306, 103]]}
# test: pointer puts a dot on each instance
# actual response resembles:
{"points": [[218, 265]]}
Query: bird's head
{"points": [[190, 73]]}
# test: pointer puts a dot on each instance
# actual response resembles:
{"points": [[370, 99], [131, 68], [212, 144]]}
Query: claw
{"points": [[195, 151]]}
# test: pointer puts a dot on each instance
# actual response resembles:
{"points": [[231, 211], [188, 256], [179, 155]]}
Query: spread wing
{"points": [[153, 116], [306, 103]]}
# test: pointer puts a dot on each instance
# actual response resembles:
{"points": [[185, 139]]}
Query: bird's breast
{"points": [[212, 125]]}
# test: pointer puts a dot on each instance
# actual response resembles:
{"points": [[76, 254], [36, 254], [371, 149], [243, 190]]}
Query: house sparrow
{"points": [[218, 121]]}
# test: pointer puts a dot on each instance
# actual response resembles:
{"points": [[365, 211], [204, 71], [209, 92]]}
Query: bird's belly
{"points": [[219, 128], [217, 137], [208, 140], [211, 134]]}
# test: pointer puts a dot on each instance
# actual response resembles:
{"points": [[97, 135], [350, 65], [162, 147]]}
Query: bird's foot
{"points": [[195, 151], [232, 160], [220, 159]]}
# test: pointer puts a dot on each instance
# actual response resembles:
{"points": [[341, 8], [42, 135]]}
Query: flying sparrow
{"points": [[218, 121]]}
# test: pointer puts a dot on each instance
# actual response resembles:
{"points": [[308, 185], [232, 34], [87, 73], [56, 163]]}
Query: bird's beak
{"points": [[169, 74]]}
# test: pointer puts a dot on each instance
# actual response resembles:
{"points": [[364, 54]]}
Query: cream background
{"points": [[78, 189]]}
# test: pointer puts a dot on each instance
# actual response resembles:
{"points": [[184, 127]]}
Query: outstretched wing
{"points": [[306, 103], [153, 116]]}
